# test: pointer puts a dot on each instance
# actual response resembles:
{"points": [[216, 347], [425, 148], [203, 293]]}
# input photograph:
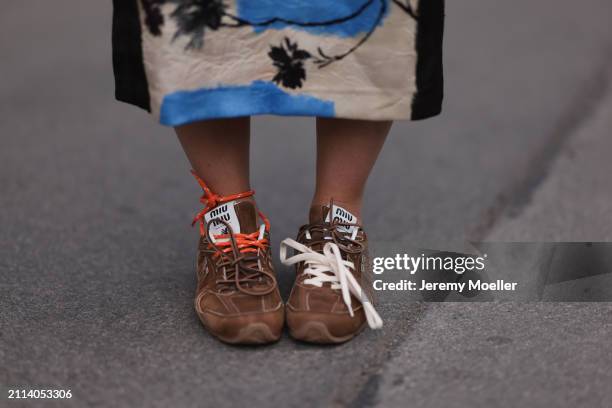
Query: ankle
{"points": [[229, 190]]}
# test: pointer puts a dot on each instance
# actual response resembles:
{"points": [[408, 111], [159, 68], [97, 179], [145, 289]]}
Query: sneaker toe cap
{"points": [[323, 327], [253, 328]]}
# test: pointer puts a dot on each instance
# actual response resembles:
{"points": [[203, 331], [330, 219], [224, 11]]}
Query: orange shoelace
{"points": [[226, 243]]}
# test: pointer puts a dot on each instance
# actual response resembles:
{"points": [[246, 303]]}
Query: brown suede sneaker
{"points": [[237, 297], [328, 302]]}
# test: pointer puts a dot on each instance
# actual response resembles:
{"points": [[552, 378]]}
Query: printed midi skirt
{"points": [[190, 60]]}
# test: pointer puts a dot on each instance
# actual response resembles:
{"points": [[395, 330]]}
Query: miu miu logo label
{"points": [[225, 212], [341, 215]]}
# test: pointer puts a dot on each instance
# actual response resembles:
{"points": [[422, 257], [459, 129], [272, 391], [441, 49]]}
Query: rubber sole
{"points": [[317, 332], [251, 334]]}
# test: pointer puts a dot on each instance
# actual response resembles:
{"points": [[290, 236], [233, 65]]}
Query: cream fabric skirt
{"points": [[191, 60]]}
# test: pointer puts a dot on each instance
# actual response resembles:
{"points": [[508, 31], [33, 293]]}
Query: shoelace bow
{"points": [[233, 247], [330, 267]]}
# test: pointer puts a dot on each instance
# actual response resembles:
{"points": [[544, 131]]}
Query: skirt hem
{"points": [[178, 114], [189, 107]]}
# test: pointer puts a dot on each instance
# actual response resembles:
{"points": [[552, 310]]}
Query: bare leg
{"points": [[346, 153], [218, 151]]}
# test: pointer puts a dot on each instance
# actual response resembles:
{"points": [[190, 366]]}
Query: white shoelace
{"points": [[330, 267]]}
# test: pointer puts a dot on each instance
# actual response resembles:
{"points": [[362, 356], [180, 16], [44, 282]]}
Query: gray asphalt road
{"points": [[96, 252]]}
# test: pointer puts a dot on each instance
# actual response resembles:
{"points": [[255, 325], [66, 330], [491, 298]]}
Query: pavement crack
{"points": [[516, 196], [360, 388]]}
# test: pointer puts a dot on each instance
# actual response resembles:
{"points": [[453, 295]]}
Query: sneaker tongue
{"points": [[240, 215], [247, 216], [337, 214]]}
